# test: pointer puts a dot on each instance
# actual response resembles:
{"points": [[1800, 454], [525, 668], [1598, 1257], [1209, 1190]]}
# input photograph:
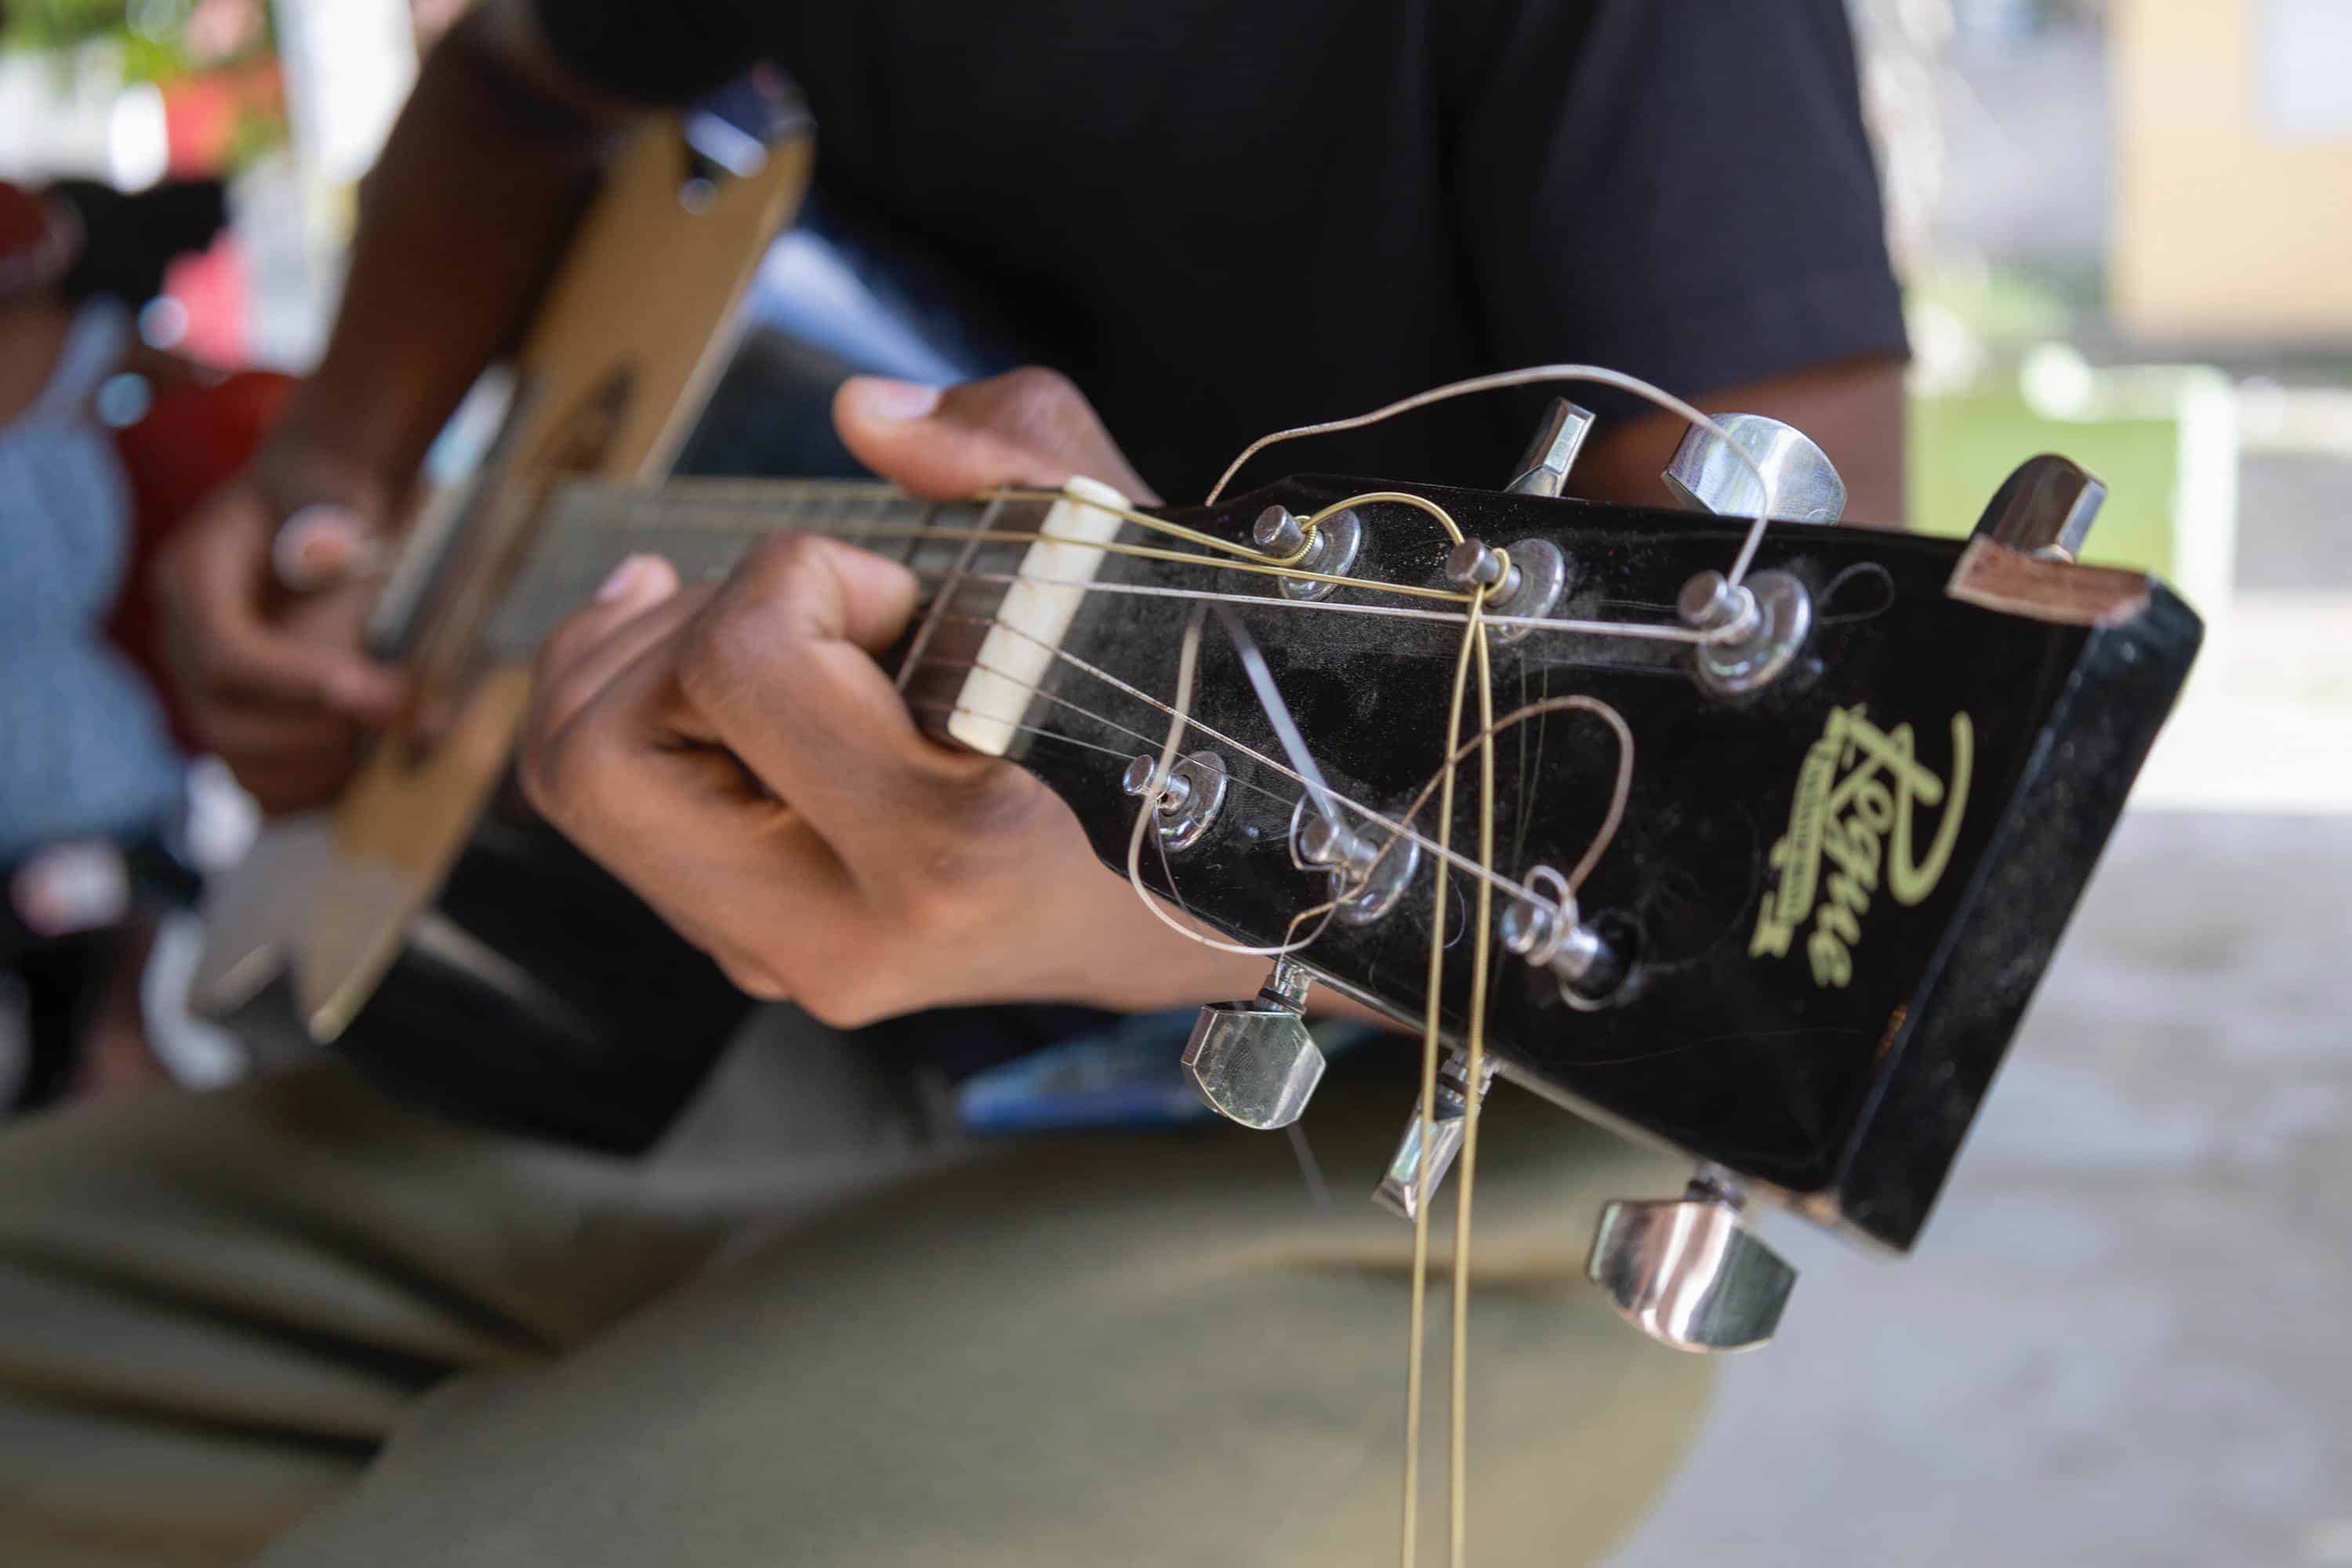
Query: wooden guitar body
{"points": [[391, 925]]}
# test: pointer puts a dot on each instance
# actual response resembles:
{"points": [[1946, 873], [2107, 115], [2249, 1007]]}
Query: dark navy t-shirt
{"points": [[1224, 216]]}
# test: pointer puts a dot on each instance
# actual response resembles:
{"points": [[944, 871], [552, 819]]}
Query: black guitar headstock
{"points": [[1854, 800]]}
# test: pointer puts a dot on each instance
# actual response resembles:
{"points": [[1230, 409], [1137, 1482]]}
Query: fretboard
{"points": [[703, 527]]}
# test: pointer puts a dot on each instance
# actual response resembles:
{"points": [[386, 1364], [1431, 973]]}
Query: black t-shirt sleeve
{"points": [[1677, 188], [652, 51]]}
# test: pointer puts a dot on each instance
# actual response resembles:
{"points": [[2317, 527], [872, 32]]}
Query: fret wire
{"points": [[922, 640]]}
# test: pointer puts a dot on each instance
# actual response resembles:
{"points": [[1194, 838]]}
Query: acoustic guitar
{"points": [[1789, 822]]}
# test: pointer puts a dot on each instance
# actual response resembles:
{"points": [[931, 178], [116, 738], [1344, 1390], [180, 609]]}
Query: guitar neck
{"points": [[703, 527]]}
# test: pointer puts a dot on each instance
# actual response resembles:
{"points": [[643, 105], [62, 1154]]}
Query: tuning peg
{"points": [[1401, 1188], [1687, 1272], [1549, 936], [1338, 540], [1543, 471], [2045, 508], [1254, 1060], [1705, 474]]}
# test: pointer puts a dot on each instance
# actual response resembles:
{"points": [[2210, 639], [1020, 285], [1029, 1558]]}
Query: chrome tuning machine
{"points": [[1187, 804], [1403, 1183], [1548, 934], [1756, 626], [1707, 475], [1254, 1061], [1338, 540], [1524, 582], [1379, 871], [1687, 1272]]}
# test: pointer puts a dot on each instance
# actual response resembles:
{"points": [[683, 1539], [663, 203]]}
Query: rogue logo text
{"points": [[1857, 792]]}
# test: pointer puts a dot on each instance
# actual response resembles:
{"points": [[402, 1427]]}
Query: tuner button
{"points": [[1688, 1273], [1543, 470], [1254, 1061], [2045, 508], [1401, 1185], [1707, 475], [1277, 531]]}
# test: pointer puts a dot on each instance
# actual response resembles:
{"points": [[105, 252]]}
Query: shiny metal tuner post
{"points": [[1759, 625], [1543, 471], [1549, 935], [1380, 871], [2046, 509], [1189, 803], [1254, 1061], [1707, 472], [1338, 540], [1687, 1272], [1401, 1187], [1523, 583]]}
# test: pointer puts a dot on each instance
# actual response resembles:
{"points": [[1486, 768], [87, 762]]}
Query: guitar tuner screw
{"points": [[1549, 935], [1188, 802], [1473, 563], [1756, 629], [1332, 551], [1138, 778], [1710, 603], [1278, 532], [1380, 870]]}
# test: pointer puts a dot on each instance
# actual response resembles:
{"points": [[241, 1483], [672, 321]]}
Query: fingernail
{"points": [[627, 578], [897, 400], [317, 546]]}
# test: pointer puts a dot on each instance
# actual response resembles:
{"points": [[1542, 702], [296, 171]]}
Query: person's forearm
{"points": [[461, 223]]}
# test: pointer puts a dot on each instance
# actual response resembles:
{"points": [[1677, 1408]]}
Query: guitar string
{"points": [[1658, 633], [1612, 819], [1187, 662], [1474, 640], [1599, 375], [1416, 1317], [1366, 812], [1638, 629], [1481, 952]]}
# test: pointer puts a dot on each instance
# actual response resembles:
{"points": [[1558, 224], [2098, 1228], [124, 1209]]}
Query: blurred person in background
{"points": [[92, 783], [298, 1304]]}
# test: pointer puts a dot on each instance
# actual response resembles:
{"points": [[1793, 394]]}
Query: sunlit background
{"points": [[2126, 231]]}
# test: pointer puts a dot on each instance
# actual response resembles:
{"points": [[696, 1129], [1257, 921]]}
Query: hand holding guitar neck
{"points": [[738, 757]]}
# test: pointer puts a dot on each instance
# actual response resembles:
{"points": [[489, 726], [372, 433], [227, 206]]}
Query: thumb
{"points": [[1031, 426], [322, 545]]}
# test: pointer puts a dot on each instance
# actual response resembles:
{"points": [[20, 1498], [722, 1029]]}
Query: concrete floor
{"points": [[2124, 1338]]}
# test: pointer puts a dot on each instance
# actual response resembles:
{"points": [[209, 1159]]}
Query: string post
{"points": [[1378, 873], [1331, 546], [1713, 604], [1548, 934], [1751, 630], [1186, 801], [1278, 532], [1474, 564], [1141, 779]]}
